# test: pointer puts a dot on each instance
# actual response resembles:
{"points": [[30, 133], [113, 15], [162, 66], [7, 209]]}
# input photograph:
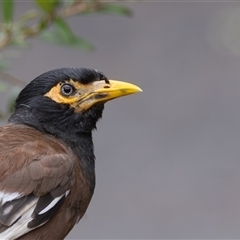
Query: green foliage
{"points": [[36, 23], [7, 8], [115, 9], [47, 6], [52, 13], [63, 35]]}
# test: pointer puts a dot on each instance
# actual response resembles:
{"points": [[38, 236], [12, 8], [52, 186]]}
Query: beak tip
{"points": [[137, 89]]}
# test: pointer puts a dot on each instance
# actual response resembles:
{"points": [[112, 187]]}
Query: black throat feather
{"points": [[73, 129]]}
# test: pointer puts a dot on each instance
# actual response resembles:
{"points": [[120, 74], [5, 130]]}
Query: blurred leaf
{"points": [[47, 6], [79, 42], [20, 42], [23, 19], [7, 8], [63, 35], [112, 8], [63, 29]]}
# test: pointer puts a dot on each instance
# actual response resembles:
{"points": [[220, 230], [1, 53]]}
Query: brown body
{"points": [[28, 164]]}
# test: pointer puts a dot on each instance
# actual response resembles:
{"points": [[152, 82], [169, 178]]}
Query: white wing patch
{"points": [[20, 227], [19, 214], [53, 203], [6, 197], [7, 210]]}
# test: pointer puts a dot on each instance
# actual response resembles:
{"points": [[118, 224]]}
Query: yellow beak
{"points": [[114, 89], [101, 92]]}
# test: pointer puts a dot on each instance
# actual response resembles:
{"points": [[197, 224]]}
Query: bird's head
{"points": [[67, 99]]}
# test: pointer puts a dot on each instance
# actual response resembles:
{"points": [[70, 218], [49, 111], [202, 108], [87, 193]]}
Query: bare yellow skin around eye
{"points": [[56, 95]]}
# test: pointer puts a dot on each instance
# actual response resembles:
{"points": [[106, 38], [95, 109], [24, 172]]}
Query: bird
{"points": [[47, 161]]}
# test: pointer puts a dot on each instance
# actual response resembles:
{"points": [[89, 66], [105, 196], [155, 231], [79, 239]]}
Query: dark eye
{"points": [[67, 89]]}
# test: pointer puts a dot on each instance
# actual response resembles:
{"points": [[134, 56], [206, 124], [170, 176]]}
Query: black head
{"points": [[67, 100], [46, 81]]}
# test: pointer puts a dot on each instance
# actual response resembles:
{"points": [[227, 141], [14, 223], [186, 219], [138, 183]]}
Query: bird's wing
{"points": [[36, 174]]}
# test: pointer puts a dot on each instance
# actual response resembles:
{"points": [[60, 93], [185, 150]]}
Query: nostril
{"points": [[106, 86]]}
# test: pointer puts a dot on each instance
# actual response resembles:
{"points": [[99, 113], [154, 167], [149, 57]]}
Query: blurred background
{"points": [[168, 159]]}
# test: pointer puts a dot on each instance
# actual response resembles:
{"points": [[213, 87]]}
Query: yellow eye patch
{"points": [[57, 95]]}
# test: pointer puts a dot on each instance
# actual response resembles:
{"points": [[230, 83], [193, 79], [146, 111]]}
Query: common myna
{"points": [[47, 175]]}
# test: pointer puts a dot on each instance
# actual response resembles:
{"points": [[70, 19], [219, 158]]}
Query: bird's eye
{"points": [[67, 89]]}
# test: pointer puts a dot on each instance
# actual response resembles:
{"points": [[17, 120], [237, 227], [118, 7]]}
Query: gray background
{"points": [[168, 160]]}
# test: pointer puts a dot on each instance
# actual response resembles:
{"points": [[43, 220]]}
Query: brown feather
{"points": [[34, 162]]}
